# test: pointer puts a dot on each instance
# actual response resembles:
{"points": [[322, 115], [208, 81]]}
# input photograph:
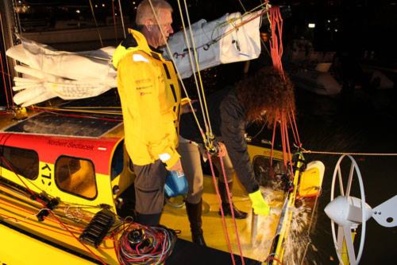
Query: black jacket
{"points": [[228, 125]]}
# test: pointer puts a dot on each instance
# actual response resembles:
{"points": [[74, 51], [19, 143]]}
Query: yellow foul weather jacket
{"points": [[150, 100]]}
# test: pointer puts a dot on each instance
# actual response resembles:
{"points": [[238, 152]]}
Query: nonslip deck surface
{"points": [[65, 124]]}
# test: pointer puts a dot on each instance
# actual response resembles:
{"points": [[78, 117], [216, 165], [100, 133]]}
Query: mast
{"points": [[8, 39]]}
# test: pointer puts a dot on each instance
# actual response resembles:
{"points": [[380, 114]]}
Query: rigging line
{"points": [[267, 7], [214, 39], [3, 141], [289, 151], [50, 225], [121, 19], [286, 215], [252, 16], [169, 49], [200, 86], [276, 52], [260, 10], [294, 128], [24, 185], [287, 146], [188, 44], [259, 131], [285, 141], [346, 153], [4, 71], [228, 194], [204, 109], [283, 116], [309, 229], [24, 191], [193, 62], [33, 203], [115, 21], [89, 110], [23, 180], [242, 5], [96, 23], [114, 15], [272, 142], [208, 136], [265, 46], [65, 227], [17, 20], [276, 42], [166, 44], [75, 237], [10, 39], [256, 8], [223, 219], [30, 210]]}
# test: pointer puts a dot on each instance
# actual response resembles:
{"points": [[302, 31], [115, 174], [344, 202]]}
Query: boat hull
{"points": [[47, 214], [22, 249]]}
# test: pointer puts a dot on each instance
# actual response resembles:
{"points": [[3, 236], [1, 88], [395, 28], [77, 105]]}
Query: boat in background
{"points": [[65, 26], [310, 69], [72, 35]]}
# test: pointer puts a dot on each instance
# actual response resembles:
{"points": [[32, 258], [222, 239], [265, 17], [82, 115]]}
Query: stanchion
{"points": [[254, 224]]}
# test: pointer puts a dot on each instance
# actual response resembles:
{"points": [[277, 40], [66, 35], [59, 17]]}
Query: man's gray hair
{"points": [[146, 7]]}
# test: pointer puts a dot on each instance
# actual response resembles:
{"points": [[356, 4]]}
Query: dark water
{"points": [[361, 124]]}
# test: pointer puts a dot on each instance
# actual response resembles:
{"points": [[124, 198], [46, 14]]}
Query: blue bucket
{"points": [[175, 184]]}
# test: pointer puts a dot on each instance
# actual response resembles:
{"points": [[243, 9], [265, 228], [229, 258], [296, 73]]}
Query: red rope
{"points": [[229, 195], [276, 52], [229, 245], [276, 44]]}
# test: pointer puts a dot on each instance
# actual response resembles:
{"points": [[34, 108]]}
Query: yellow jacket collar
{"points": [[134, 41]]}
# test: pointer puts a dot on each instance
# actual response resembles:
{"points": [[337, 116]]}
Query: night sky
{"points": [[340, 24]]}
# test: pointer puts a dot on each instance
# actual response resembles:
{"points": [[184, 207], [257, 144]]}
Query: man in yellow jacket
{"points": [[150, 101]]}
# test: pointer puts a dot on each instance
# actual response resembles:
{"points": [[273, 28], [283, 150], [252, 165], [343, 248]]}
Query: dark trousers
{"points": [[149, 188]]}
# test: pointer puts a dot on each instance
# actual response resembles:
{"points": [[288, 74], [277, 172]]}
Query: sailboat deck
{"points": [[233, 235]]}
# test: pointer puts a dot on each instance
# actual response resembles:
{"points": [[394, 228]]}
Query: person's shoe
{"points": [[199, 239], [194, 212], [227, 211]]}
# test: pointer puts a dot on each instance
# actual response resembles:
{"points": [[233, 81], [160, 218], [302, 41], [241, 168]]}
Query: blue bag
{"points": [[175, 184]]}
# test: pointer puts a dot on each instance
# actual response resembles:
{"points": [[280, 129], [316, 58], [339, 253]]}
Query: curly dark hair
{"points": [[266, 90]]}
